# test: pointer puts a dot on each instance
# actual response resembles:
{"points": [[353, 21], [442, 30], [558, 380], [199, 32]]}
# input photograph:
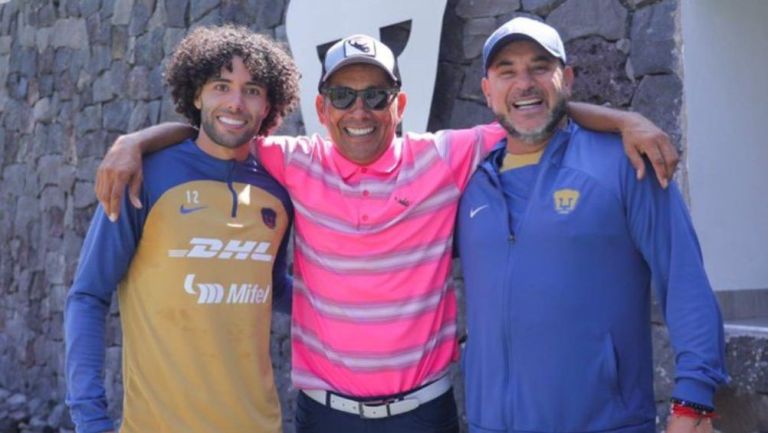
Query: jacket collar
{"points": [[553, 153]]}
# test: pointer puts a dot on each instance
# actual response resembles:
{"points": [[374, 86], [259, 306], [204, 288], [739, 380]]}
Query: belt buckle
{"points": [[374, 404]]}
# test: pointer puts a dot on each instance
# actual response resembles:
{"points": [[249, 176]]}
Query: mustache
{"points": [[555, 116], [527, 93]]}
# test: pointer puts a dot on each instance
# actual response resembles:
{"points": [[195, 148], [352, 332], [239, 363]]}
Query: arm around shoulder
{"points": [[122, 163], [641, 137]]}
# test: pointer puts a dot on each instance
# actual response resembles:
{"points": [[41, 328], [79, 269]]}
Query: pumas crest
{"points": [[566, 200]]}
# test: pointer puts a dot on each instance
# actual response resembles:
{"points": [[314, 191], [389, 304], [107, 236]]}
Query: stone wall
{"points": [[76, 73]]}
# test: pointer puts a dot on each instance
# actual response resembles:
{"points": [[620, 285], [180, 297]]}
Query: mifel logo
{"points": [[213, 293]]}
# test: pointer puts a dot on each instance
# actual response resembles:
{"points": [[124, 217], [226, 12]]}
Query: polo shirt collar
{"points": [[384, 165]]}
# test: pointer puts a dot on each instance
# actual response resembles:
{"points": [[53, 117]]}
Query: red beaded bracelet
{"points": [[689, 412]]}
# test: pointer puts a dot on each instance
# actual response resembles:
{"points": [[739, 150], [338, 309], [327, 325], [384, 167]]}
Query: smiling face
{"points": [[232, 106], [360, 133], [527, 89]]}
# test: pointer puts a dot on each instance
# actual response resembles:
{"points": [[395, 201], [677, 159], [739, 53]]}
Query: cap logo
{"points": [[359, 46]]}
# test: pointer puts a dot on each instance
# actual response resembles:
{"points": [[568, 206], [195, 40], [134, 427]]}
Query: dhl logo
{"points": [[208, 248]]}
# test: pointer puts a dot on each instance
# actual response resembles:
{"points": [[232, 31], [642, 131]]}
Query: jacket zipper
{"points": [[506, 321], [230, 175], [495, 184]]}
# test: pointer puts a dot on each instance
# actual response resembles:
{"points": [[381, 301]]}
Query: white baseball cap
{"points": [[359, 49]]}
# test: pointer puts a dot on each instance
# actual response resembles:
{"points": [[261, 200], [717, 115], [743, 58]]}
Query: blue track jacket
{"points": [[558, 303]]}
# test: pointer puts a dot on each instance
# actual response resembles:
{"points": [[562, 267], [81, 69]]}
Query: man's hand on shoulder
{"points": [[640, 136], [121, 166], [643, 137]]}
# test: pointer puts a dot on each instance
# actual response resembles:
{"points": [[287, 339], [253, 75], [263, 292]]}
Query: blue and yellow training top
{"points": [[196, 271]]}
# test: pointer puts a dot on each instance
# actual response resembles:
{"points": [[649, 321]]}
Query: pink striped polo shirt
{"points": [[374, 310]]}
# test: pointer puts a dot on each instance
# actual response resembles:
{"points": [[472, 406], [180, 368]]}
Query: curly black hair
{"points": [[205, 50]]}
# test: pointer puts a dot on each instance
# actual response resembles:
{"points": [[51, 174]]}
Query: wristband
{"points": [[689, 411], [695, 406]]}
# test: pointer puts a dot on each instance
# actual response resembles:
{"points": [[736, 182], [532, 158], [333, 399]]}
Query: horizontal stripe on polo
{"points": [[389, 261], [372, 312]]}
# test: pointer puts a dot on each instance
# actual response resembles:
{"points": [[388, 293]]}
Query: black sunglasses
{"points": [[373, 98]]}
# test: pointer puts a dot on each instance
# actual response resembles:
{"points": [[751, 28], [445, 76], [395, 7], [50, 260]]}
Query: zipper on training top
{"points": [[493, 178], [230, 175]]}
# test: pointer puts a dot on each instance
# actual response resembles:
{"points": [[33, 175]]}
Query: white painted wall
{"points": [[725, 60], [310, 23]]}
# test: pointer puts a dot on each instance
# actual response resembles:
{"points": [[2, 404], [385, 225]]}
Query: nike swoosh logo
{"points": [[473, 212], [185, 210]]}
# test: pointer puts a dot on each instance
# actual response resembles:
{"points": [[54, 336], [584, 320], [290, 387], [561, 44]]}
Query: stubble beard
{"points": [[222, 139], [544, 132]]}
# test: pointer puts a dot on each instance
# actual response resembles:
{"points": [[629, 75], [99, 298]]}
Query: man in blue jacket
{"points": [[559, 244]]}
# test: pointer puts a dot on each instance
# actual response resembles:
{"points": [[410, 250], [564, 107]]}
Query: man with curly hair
{"points": [[198, 268]]}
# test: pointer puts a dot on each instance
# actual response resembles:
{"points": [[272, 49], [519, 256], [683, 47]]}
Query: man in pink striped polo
{"points": [[374, 309]]}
